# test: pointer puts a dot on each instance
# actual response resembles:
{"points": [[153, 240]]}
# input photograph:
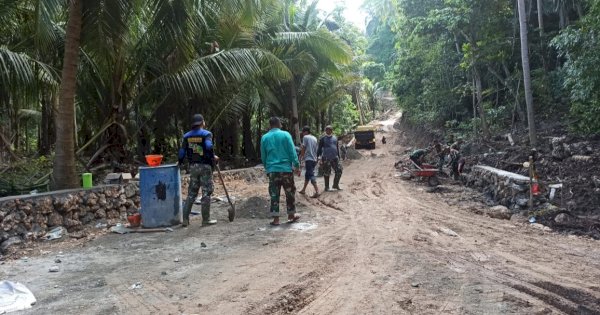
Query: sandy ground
{"points": [[380, 246]]}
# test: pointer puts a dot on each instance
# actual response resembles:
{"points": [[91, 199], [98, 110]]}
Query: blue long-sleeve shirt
{"points": [[277, 151], [197, 147]]}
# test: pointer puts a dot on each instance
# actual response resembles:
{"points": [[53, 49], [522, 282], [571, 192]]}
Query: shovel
{"points": [[232, 210], [120, 229]]}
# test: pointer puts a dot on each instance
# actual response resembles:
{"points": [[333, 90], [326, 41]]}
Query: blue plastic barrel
{"points": [[160, 194]]}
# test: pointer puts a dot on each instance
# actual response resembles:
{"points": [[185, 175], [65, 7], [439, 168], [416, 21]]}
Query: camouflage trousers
{"points": [[454, 163], [285, 180], [334, 165], [200, 177]]}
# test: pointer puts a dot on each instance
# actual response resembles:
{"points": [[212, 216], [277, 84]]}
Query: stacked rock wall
{"points": [[505, 188], [29, 217]]}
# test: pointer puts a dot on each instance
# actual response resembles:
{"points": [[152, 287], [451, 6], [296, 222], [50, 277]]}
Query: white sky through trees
{"points": [[352, 10]]}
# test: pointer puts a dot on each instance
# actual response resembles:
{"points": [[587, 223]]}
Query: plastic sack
{"points": [[14, 297]]}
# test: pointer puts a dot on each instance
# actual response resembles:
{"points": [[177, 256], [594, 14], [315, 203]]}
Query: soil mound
{"points": [[253, 208]]}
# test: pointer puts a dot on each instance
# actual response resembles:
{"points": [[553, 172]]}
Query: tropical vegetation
{"points": [[103, 83], [464, 64], [86, 85]]}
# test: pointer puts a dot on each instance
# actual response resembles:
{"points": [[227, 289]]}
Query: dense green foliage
{"points": [[145, 67], [457, 63]]}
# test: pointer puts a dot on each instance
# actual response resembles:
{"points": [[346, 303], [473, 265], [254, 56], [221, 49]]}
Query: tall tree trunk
{"points": [[540, 14], [247, 136], [294, 98], [235, 139], [44, 141], [64, 162], [27, 136], [474, 104], [526, 73], [579, 9], [323, 122], [259, 129], [317, 121], [479, 91], [356, 98]]}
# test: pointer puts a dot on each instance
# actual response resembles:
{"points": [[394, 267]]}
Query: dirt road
{"points": [[380, 246]]}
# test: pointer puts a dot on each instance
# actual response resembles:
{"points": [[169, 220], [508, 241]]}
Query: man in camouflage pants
{"points": [[279, 157], [329, 153], [197, 147]]}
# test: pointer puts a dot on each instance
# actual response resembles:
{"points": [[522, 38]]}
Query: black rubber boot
{"points": [[186, 218], [326, 178], [206, 212], [336, 182]]}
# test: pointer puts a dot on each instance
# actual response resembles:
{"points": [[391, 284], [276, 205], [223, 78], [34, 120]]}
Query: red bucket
{"points": [[535, 189], [153, 160], [134, 220]]}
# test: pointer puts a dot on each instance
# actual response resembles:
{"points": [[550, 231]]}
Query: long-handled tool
{"points": [[120, 229], [232, 210]]}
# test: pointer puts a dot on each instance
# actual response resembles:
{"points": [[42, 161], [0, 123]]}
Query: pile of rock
{"points": [[29, 217], [562, 149], [505, 188]]}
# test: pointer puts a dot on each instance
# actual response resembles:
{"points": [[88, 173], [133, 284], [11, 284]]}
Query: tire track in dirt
{"points": [[329, 254], [528, 269], [457, 255]]}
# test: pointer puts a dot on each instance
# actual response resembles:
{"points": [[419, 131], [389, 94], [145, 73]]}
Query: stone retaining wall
{"points": [[505, 188], [29, 217]]}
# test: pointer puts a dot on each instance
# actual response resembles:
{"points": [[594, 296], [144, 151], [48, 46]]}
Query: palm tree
{"points": [[132, 68], [25, 57], [151, 55], [64, 162], [306, 46]]}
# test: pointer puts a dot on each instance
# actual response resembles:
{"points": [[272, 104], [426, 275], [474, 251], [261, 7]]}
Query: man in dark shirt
{"points": [[329, 154], [441, 153], [197, 147], [456, 160], [418, 156]]}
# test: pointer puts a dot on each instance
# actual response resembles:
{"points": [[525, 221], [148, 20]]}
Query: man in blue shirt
{"points": [[197, 147], [279, 157], [309, 154]]}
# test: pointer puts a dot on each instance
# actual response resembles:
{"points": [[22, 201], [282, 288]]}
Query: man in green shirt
{"points": [[279, 157], [418, 156]]}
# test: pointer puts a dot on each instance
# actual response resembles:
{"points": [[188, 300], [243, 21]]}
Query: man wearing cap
{"points": [[197, 147], [279, 157], [309, 155], [329, 153]]}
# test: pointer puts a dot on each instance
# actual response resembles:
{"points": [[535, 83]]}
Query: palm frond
{"points": [[322, 43], [15, 68], [48, 34], [272, 67], [29, 114], [206, 74]]}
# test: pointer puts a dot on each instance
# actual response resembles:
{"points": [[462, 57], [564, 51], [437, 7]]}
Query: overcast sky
{"points": [[352, 11]]}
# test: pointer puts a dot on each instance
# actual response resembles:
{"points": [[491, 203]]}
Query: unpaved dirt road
{"points": [[380, 246]]}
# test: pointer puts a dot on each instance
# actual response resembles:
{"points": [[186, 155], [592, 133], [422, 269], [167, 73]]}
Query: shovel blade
{"points": [[231, 213]]}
